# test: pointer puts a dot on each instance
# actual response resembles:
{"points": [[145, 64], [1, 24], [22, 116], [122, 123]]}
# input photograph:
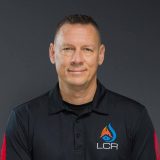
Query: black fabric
{"points": [[114, 127], [77, 109]]}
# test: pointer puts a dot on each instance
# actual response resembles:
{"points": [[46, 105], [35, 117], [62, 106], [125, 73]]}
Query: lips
{"points": [[76, 70]]}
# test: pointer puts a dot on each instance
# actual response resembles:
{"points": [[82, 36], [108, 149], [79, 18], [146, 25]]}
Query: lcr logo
{"points": [[108, 136], [107, 146]]}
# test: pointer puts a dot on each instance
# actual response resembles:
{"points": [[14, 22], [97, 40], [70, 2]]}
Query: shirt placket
{"points": [[78, 140]]}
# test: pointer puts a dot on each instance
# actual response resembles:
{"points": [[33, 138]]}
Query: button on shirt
{"points": [[113, 127]]}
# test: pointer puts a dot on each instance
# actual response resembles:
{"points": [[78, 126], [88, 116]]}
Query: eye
{"points": [[88, 49], [67, 48]]}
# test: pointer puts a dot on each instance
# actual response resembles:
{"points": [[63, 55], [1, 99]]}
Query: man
{"points": [[79, 119]]}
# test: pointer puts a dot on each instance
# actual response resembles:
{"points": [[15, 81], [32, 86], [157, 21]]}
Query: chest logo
{"points": [[107, 138], [108, 134]]}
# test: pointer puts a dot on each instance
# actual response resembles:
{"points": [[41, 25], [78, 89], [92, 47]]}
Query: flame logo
{"points": [[108, 134]]}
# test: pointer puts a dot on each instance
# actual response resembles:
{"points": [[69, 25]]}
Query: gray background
{"points": [[130, 30]]}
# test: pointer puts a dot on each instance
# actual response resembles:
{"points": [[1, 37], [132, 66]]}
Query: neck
{"points": [[78, 94]]}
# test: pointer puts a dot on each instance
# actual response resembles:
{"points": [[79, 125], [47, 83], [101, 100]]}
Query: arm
{"points": [[143, 147], [15, 144]]}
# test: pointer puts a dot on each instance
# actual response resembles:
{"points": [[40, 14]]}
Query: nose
{"points": [[77, 57]]}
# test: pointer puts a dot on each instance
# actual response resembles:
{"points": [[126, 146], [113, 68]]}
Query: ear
{"points": [[52, 53], [101, 54]]}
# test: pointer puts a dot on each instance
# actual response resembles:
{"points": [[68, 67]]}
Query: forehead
{"points": [[77, 33]]}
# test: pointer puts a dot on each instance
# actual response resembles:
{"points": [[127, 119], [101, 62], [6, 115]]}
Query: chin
{"points": [[77, 82]]}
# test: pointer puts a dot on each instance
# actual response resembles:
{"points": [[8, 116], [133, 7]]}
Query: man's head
{"points": [[77, 50], [77, 19]]}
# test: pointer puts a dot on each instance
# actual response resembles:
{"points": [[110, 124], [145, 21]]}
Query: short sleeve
{"points": [[15, 146], [143, 138]]}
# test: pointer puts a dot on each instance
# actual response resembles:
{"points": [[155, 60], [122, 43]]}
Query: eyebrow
{"points": [[92, 46], [88, 45], [67, 44]]}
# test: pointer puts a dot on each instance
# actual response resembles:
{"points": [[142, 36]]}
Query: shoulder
{"points": [[33, 106], [129, 112], [124, 104]]}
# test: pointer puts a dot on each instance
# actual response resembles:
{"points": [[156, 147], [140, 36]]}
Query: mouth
{"points": [[76, 70]]}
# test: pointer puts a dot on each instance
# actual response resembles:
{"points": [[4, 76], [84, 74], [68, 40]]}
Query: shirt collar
{"points": [[101, 103]]}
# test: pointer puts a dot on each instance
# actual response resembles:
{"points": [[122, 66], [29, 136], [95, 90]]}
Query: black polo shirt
{"points": [[113, 128], [77, 109]]}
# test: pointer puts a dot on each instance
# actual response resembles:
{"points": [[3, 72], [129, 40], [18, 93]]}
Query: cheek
{"points": [[92, 65], [93, 62], [61, 64]]}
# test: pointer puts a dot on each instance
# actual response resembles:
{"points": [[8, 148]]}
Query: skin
{"points": [[77, 53]]}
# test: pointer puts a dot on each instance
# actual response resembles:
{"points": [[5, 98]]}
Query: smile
{"points": [[76, 71]]}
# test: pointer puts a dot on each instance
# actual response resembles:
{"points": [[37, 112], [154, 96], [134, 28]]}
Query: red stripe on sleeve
{"points": [[156, 145], [3, 149]]}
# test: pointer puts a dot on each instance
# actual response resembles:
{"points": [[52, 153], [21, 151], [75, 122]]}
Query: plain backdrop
{"points": [[130, 31]]}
